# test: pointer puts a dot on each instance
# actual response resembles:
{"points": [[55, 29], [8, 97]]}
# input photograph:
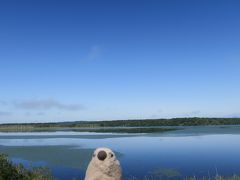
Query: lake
{"points": [[189, 151]]}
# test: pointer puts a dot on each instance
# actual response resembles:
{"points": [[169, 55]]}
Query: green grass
{"points": [[173, 174], [217, 177]]}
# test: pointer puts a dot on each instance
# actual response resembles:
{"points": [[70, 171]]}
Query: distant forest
{"points": [[127, 123]]}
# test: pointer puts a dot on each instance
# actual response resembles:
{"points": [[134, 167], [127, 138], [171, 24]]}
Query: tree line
{"points": [[126, 123]]}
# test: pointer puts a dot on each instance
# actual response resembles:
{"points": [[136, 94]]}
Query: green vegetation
{"points": [[10, 171], [120, 123], [165, 173], [129, 130], [125, 130], [170, 122], [162, 177], [217, 177]]}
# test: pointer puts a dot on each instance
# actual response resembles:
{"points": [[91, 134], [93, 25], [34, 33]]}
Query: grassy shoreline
{"points": [[102, 126], [95, 130]]}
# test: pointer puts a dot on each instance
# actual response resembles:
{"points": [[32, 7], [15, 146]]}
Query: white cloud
{"points": [[47, 104]]}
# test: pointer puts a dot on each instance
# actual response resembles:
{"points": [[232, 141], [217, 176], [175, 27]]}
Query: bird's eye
{"points": [[93, 155], [111, 155]]}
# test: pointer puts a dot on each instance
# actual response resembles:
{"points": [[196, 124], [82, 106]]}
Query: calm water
{"points": [[194, 151]]}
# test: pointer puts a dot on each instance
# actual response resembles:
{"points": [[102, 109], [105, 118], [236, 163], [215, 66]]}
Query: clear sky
{"points": [[93, 60]]}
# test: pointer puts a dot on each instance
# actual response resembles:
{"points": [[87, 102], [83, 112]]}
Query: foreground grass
{"points": [[10, 171], [174, 174], [217, 177], [234, 177]]}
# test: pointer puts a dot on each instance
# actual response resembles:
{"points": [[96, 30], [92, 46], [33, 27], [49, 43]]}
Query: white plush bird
{"points": [[104, 166]]}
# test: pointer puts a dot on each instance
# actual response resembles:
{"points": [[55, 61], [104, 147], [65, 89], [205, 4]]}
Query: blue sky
{"points": [[94, 60]]}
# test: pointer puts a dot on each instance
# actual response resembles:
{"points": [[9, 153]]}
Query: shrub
{"points": [[10, 171]]}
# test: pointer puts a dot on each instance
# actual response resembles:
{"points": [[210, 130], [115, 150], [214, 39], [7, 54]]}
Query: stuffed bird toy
{"points": [[103, 166]]}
